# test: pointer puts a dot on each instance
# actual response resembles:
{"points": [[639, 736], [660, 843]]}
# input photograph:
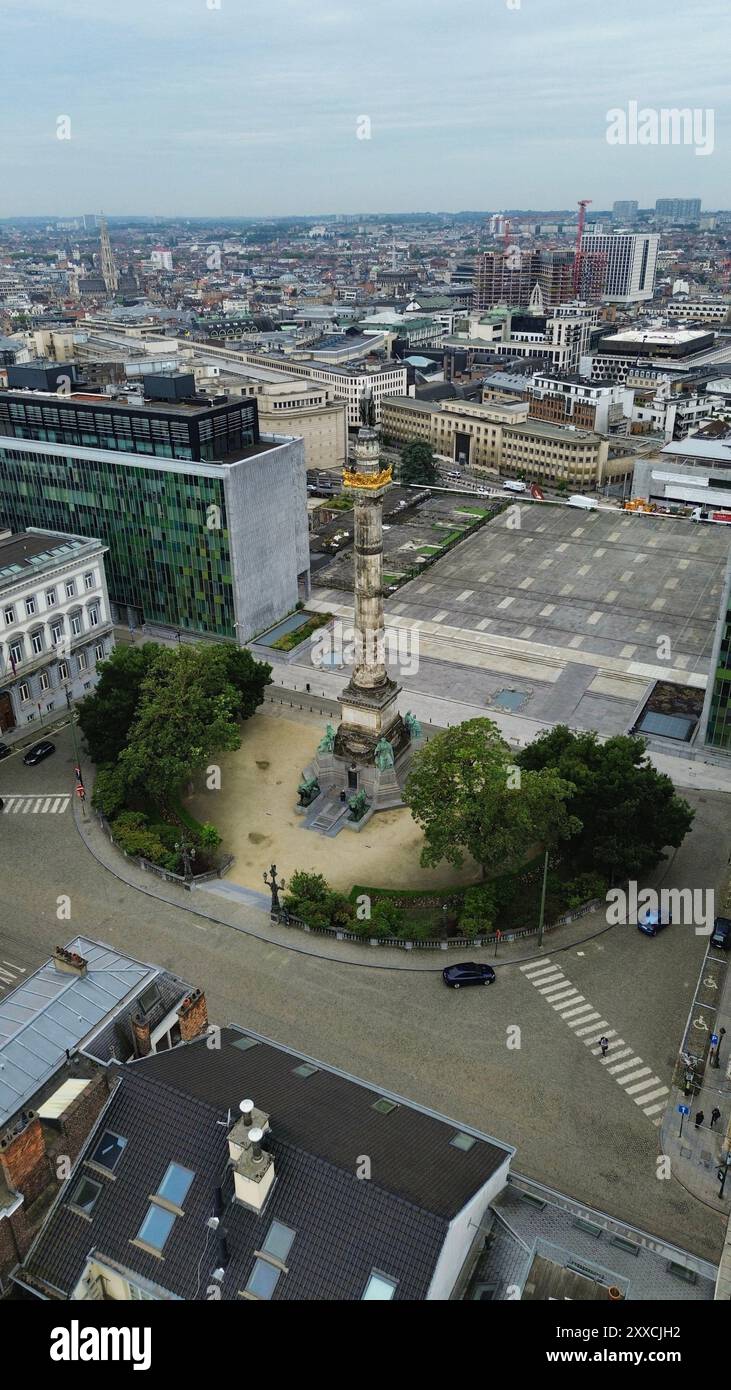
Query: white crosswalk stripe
{"points": [[9, 976], [638, 1081], [23, 804]]}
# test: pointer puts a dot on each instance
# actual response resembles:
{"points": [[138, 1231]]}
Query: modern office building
{"points": [[631, 259], [511, 278], [55, 622], [678, 209], [625, 210], [205, 520]]}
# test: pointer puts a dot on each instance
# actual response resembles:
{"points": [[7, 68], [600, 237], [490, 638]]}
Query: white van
{"points": [[514, 485]]}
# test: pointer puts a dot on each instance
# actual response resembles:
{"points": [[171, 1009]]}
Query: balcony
{"points": [[59, 652]]}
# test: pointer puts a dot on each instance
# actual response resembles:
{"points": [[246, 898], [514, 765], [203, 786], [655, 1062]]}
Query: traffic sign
{"points": [[81, 792], [683, 1109], [714, 1039]]}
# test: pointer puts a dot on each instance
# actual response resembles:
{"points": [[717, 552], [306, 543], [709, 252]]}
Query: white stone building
{"points": [[55, 623]]}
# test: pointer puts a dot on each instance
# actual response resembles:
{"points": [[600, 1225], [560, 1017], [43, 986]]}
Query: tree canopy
{"points": [[468, 795], [629, 812], [417, 463], [105, 717]]}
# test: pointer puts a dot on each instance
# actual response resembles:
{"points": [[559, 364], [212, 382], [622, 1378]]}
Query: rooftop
{"points": [[179, 1106], [34, 551], [52, 1012]]}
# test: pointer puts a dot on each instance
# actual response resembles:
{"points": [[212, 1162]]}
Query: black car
{"points": [[653, 922], [721, 934], [468, 973], [38, 752], [5, 751]]}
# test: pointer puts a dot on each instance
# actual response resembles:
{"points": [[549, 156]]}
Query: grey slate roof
{"points": [[116, 1039], [174, 1108], [52, 1012]]}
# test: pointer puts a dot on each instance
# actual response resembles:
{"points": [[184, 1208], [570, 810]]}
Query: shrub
{"points": [[144, 844], [478, 910], [387, 918], [209, 837], [110, 791], [583, 888]]}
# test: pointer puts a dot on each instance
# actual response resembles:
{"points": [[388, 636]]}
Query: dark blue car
{"points": [[468, 973], [652, 922]]}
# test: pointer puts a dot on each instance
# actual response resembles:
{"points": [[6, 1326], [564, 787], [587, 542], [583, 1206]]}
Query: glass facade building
{"points": [[189, 430], [165, 558]]}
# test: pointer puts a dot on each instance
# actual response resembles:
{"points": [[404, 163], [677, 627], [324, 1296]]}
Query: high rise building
{"points": [[678, 209], [205, 520], [631, 259], [109, 270], [625, 211], [510, 277]]}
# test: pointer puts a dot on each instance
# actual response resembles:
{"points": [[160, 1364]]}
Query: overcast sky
{"points": [[249, 108]]}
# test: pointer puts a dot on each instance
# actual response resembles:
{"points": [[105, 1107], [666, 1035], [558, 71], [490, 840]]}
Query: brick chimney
{"points": [[23, 1157], [69, 962], [141, 1034], [193, 1016]]}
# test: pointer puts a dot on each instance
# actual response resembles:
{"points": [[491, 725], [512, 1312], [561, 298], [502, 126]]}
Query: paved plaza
{"points": [[559, 615]]}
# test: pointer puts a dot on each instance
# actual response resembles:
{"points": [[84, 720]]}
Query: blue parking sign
{"points": [[714, 1039], [683, 1109]]}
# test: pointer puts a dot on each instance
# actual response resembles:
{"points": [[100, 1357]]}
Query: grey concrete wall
{"points": [[266, 505]]}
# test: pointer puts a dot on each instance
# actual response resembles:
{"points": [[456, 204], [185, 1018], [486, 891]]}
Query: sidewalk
{"points": [[696, 1156], [243, 910]]}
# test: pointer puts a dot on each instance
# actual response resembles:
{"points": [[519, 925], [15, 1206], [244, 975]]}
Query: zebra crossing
{"points": [[10, 974], [21, 805], [622, 1062]]}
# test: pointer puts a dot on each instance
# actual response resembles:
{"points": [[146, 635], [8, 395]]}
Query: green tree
{"points": [[106, 716], [417, 463], [478, 911], [186, 713], [628, 811], [248, 677], [468, 796]]}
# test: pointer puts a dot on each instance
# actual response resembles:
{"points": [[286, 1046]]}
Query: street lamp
{"points": [[187, 854]]}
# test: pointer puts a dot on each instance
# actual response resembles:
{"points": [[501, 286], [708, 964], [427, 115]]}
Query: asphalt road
{"points": [[574, 1127]]}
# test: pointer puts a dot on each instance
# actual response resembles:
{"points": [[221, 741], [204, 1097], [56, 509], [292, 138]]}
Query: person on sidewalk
{"points": [[700, 1117], [715, 1115], [604, 1045]]}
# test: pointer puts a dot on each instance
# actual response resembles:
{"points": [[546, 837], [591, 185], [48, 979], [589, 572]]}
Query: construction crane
{"points": [[583, 205]]}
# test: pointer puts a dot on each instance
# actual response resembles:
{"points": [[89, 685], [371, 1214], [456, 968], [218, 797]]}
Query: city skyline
{"points": [[289, 111]]}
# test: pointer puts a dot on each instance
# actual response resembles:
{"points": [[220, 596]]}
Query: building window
{"points": [[45, 682], [263, 1279], [9, 616], [94, 616], [174, 1186], [109, 1150], [99, 651], [85, 1195], [50, 598], [137, 1293], [56, 632], [156, 1227], [36, 642], [76, 625], [89, 581], [70, 588], [24, 690], [30, 607], [16, 652], [63, 670], [278, 1241], [379, 1286], [81, 658]]}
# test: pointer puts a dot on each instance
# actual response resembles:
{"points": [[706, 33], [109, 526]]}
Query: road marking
{"points": [[19, 968], [24, 804], [628, 1070]]}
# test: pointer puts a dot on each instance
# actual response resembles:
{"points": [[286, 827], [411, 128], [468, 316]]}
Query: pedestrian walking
{"points": [[604, 1045], [700, 1117], [715, 1115]]}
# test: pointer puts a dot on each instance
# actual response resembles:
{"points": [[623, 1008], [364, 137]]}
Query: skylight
{"points": [[379, 1286], [156, 1227], [85, 1194], [304, 1070], [384, 1106], [263, 1279], [175, 1184], [109, 1150], [462, 1141], [278, 1241]]}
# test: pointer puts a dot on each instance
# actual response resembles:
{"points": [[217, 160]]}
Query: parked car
{"points": [[38, 752], [5, 751], [721, 934], [652, 922], [468, 973]]}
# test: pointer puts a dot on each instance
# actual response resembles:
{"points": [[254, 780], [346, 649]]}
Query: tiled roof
{"points": [[177, 1106]]}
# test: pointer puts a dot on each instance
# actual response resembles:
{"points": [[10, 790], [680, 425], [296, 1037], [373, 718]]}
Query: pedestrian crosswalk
{"points": [[10, 975], [621, 1061], [52, 805]]}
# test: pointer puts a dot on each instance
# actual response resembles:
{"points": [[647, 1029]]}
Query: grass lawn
{"points": [[289, 640]]}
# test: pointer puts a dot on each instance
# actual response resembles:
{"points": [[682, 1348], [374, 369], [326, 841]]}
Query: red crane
{"points": [[583, 205]]}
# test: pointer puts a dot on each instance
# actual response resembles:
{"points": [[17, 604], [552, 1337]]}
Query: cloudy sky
{"points": [[242, 108]]}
